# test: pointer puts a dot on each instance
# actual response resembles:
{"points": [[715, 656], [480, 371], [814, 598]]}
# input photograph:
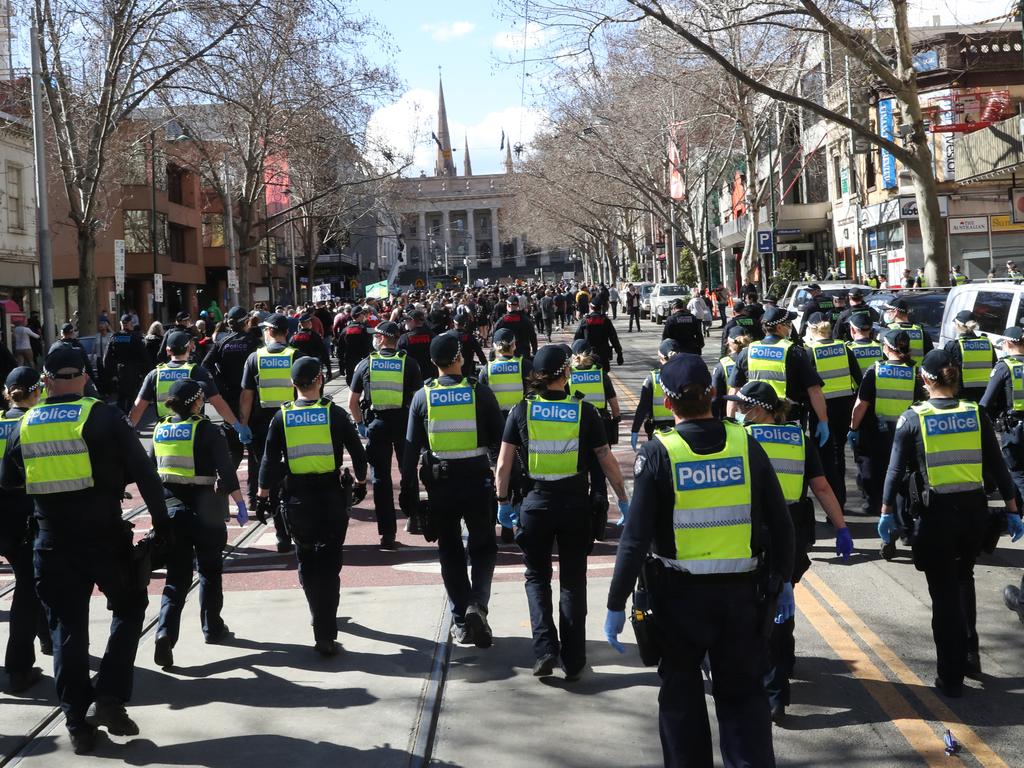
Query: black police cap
{"points": [[181, 316], [23, 377], [504, 336], [186, 390], [64, 357], [669, 347], [581, 347], [126, 318], [1014, 334], [276, 321], [897, 339], [67, 328], [177, 341], [777, 315], [861, 321], [736, 331], [900, 305], [305, 370], [757, 393], [934, 362], [965, 316], [815, 318], [389, 329], [445, 348], [236, 313], [684, 370], [551, 359]]}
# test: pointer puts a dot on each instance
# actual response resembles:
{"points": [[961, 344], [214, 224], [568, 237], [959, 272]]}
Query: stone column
{"points": [[495, 240], [471, 238], [520, 252], [423, 240], [446, 230]]}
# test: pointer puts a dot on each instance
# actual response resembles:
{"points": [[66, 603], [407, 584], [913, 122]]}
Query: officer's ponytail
{"points": [[504, 347], [781, 412], [822, 330], [583, 360]]}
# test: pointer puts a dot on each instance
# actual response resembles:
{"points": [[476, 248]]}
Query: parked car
{"points": [[998, 305], [645, 298], [662, 297], [926, 307]]}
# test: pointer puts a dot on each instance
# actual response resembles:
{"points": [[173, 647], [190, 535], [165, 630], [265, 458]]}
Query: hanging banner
{"points": [[676, 160], [377, 290], [887, 129]]}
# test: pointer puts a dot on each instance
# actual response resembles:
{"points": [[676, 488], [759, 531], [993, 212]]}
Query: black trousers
{"points": [[260, 425], [634, 314], [781, 644], [318, 520], [1012, 443], [386, 433], [27, 617], [546, 520], [721, 621], [833, 452], [469, 499]]}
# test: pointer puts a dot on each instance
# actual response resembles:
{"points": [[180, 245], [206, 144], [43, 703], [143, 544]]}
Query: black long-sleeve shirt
{"points": [[343, 438], [212, 459], [650, 519], [998, 397], [908, 452], [117, 459]]}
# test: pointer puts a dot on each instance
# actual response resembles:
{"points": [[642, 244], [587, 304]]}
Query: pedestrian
{"points": [[942, 444], [559, 436], [195, 467], [306, 443], [383, 386], [125, 363], [454, 423], [699, 309], [798, 468], [713, 583], [23, 338], [353, 343], [651, 412], [415, 342], [154, 341], [973, 354], [633, 307], [307, 342], [613, 300], [722, 300], [82, 542], [27, 618], [472, 351], [520, 325]]}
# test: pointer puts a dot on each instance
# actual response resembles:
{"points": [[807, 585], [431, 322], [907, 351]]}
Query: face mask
{"points": [[741, 417], [376, 343]]}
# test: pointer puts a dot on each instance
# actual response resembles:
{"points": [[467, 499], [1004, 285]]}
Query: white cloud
{"points": [[512, 40], [448, 31]]}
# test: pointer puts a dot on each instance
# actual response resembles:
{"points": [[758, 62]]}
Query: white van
{"points": [[998, 305]]}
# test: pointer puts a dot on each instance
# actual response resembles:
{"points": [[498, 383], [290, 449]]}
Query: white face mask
{"points": [[740, 417], [376, 342]]}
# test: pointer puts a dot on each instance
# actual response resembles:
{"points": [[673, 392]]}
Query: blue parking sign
{"points": [[765, 241]]}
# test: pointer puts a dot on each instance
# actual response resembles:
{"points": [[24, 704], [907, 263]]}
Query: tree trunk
{"points": [[87, 314]]}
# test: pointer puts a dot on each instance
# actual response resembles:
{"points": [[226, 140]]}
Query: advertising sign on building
{"points": [[968, 225], [887, 129], [1017, 205], [908, 207], [1005, 224]]}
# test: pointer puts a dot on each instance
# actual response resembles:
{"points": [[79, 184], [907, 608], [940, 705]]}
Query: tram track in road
{"points": [[25, 746]]}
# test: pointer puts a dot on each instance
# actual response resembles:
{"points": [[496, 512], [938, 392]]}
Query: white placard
{"points": [[232, 280], [112, 304], [158, 288], [968, 225], [322, 292], [119, 267]]}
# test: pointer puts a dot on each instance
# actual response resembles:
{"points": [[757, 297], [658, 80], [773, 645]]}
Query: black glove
{"points": [[408, 500], [165, 537], [358, 492], [618, 359], [262, 509]]}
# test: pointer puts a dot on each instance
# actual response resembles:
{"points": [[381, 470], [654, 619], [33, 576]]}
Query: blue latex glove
{"points": [[244, 433], [243, 513], [507, 515], [361, 427], [821, 432], [886, 527], [1015, 526], [623, 510], [614, 623], [786, 608], [844, 544], [852, 437], [634, 438]]}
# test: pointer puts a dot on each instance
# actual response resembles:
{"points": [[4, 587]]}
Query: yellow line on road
{"points": [[984, 754], [624, 392], [919, 735]]}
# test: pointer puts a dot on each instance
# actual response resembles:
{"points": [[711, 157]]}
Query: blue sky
{"points": [[474, 45]]}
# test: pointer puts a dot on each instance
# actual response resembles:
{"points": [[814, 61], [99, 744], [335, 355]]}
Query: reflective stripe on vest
{"points": [[833, 366], [661, 415], [451, 420], [588, 382], [275, 377], [894, 389], [767, 362], [505, 378], [307, 438], [1016, 368], [7, 426], [711, 512], [916, 334], [976, 354], [166, 375], [55, 454], [174, 444], [784, 444], [553, 429], [952, 446], [867, 354], [728, 363], [387, 381]]}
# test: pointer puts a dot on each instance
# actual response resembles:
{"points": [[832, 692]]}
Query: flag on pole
{"points": [[676, 161], [502, 140], [436, 140]]}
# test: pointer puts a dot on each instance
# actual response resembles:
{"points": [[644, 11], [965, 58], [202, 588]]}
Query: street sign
{"points": [[232, 280], [119, 267], [419, 282], [112, 303], [158, 288], [353, 284], [322, 292], [765, 241], [791, 231]]}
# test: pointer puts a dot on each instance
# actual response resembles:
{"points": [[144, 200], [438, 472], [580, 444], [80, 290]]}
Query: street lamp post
{"points": [[152, 222]]}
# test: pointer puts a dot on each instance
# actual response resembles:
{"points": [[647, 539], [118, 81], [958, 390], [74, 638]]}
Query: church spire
{"points": [[508, 156], [467, 167], [445, 166]]}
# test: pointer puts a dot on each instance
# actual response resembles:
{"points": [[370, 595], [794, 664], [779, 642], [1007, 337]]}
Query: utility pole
{"points": [[229, 233], [152, 221], [43, 243]]}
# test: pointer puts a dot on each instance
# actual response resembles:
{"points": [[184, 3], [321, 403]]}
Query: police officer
{"points": [[308, 343], [798, 468], [472, 350], [587, 381], [306, 442], [705, 576], [383, 386], [125, 363], [819, 302], [225, 362], [1003, 401], [182, 324], [956, 277], [748, 319], [195, 467], [785, 367], [651, 413], [520, 324], [455, 422], [27, 617], [74, 456], [886, 391], [266, 386], [736, 340], [69, 337], [857, 306], [684, 328], [973, 354], [415, 342], [897, 315], [863, 350], [353, 344], [944, 443], [874, 282], [599, 333], [555, 432]]}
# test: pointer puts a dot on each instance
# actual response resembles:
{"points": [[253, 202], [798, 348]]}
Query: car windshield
{"points": [[672, 290], [646, 291]]}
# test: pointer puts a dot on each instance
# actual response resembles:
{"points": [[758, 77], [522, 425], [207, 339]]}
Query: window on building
{"points": [[175, 179], [136, 171], [837, 183], [870, 174], [213, 230], [176, 243], [137, 237], [15, 198]]}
